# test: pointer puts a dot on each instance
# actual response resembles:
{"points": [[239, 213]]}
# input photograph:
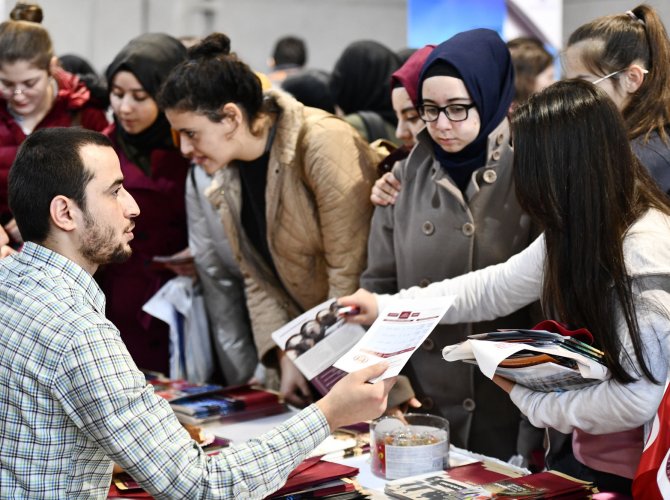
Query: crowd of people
{"points": [[459, 168]]}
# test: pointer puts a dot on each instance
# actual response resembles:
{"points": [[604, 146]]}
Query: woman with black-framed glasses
{"points": [[456, 212]]}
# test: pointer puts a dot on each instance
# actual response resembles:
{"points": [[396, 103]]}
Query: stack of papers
{"points": [[538, 359], [472, 481]]}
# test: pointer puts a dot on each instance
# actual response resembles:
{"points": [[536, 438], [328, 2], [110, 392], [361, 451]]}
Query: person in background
{"points": [[72, 398], [35, 93], [628, 55], [404, 83], [359, 85], [155, 175], [603, 263], [405, 53], [80, 67], [295, 204], [288, 58], [312, 88], [533, 68], [26, 11], [457, 212]]}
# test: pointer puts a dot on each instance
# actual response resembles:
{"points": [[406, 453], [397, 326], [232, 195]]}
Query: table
{"points": [[374, 484]]}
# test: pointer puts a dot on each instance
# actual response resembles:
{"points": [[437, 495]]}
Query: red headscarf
{"points": [[408, 74]]}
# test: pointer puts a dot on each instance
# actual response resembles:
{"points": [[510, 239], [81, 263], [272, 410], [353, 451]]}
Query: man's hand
{"points": [[354, 400], [293, 386], [385, 191], [366, 302]]}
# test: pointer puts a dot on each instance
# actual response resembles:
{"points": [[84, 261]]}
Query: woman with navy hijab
{"points": [[457, 212]]}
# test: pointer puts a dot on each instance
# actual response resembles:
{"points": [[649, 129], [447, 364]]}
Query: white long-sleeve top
{"points": [[604, 408]]}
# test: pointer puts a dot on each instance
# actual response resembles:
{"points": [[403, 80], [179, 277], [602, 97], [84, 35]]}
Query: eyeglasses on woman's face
{"points": [[614, 73], [453, 112], [29, 87]]}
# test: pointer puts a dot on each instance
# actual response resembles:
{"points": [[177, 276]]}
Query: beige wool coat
{"points": [[320, 175]]}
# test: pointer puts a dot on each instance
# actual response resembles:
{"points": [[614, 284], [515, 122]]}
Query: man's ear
{"points": [[633, 78], [64, 213]]}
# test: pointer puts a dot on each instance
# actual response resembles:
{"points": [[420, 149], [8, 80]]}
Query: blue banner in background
{"points": [[434, 21]]}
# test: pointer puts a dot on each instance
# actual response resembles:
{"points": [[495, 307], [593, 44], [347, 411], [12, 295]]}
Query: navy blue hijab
{"points": [[484, 64]]}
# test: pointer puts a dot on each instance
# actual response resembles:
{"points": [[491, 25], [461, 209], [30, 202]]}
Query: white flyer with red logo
{"points": [[398, 331]]}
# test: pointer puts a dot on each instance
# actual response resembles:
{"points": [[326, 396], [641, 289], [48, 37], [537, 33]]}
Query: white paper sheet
{"points": [[398, 331]]}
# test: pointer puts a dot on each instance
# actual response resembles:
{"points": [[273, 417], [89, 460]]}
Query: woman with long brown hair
{"points": [[602, 263]]}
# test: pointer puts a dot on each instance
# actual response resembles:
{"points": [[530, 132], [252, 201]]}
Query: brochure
{"points": [[325, 347]]}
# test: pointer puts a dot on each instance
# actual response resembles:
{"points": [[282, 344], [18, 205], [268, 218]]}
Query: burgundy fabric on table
{"points": [[72, 106], [159, 230]]}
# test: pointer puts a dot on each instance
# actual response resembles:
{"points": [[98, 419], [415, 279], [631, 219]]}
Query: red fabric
{"points": [[159, 230], [652, 479], [581, 334], [408, 74], [73, 99]]}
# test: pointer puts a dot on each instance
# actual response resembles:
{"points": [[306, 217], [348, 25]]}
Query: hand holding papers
{"points": [[395, 335], [538, 359], [320, 338]]}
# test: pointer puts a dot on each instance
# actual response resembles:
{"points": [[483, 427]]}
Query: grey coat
{"points": [[433, 233], [222, 282]]}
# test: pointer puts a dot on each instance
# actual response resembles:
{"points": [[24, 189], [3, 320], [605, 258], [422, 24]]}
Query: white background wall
{"points": [[97, 29]]}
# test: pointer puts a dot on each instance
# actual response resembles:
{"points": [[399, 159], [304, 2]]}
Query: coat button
{"points": [[468, 229], [424, 282], [427, 403], [496, 155], [428, 344], [469, 404], [490, 176], [499, 139], [428, 228]]}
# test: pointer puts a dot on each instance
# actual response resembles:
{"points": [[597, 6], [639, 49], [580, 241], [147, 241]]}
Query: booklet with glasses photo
{"points": [[547, 358], [325, 347]]}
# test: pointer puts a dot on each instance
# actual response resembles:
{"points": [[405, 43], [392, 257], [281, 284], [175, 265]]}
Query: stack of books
{"points": [[317, 478], [196, 404]]}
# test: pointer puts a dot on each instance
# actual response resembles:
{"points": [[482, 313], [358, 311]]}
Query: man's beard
{"points": [[97, 246]]}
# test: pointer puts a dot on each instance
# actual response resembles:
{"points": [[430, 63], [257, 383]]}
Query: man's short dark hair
{"points": [[49, 164], [290, 51]]}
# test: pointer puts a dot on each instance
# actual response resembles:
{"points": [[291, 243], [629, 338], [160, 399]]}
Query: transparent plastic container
{"points": [[418, 445]]}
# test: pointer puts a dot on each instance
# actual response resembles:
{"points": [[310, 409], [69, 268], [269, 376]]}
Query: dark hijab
{"points": [[483, 62], [360, 79], [150, 58]]}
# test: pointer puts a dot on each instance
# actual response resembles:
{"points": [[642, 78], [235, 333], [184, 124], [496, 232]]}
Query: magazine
{"points": [[538, 359]]}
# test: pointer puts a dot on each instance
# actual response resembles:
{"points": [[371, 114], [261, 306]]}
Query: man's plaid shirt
{"points": [[72, 401]]}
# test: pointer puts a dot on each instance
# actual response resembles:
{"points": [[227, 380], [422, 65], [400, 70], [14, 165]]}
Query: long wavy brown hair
{"points": [[576, 175]]}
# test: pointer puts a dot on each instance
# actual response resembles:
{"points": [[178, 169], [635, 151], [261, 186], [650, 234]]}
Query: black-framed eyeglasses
{"points": [[453, 112]]}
